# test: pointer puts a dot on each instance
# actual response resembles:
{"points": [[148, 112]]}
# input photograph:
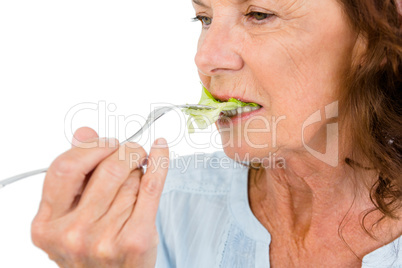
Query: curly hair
{"points": [[371, 99]]}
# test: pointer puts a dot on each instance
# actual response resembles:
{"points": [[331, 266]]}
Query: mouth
{"points": [[230, 118], [240, 110], [226, 97]]}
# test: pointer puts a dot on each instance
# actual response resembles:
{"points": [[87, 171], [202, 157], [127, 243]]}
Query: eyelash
{"points": [[250, 14]]}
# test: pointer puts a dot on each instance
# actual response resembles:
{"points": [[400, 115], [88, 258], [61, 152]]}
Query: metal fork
{"points": [[152, 117]]}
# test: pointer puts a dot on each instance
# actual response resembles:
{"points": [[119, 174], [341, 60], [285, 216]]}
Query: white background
{"points": [[57, 54]]}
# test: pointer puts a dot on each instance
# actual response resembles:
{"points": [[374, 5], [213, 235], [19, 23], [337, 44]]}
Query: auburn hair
{"points": [[371, 98]]}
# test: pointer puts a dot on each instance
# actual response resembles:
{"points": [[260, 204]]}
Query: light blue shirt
{"points": [[204, 219]]}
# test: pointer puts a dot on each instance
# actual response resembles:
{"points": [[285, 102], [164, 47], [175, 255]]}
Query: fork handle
{"points": [[139, 132], [21, 176], [18, 177]]}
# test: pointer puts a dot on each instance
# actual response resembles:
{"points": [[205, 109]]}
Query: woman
{"points": [[320, 190]]}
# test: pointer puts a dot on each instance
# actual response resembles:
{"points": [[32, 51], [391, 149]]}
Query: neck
{"points": [[307, 201]]}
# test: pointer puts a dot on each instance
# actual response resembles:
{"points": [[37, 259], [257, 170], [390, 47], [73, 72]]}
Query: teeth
{"points": [[246, 109], [240, 110]]}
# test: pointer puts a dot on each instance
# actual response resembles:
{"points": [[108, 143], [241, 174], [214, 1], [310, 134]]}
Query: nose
{"points": [[219, 50]]}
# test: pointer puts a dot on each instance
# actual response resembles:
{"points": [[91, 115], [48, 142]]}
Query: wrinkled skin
{"points": [[98, 207], [292, 63]]}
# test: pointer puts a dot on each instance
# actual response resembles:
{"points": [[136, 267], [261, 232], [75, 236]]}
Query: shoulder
{"points": [[202, 173], [389, 255]]}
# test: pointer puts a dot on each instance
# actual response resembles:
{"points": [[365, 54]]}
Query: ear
{"points": [[399, 6], [359, 49]]}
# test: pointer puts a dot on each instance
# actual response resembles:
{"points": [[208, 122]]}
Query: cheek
{"points": [[292, 76], [302, 63], [301, 73], [284, 74]]}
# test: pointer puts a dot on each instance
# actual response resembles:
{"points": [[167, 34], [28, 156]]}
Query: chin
{"points": [[251, 138]]}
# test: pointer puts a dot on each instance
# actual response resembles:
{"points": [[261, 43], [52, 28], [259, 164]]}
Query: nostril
{"points": [[219, 70]]}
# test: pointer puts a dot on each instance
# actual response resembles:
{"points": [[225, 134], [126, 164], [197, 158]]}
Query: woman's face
{"points": [[290, 61]]}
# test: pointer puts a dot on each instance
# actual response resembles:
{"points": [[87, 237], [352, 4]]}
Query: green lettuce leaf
{"points": [[204, 118]]}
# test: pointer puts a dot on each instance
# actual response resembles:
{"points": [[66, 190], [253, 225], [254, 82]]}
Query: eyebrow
{"points": [[198, 2]]}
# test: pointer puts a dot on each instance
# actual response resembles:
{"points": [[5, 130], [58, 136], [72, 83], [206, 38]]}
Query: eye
{"points": [[259, 16], [206, 21]]}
